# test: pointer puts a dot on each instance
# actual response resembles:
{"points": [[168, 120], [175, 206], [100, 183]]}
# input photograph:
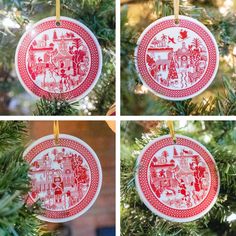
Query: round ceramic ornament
{"points": [[177, 181], [66, 178], [177, 61], [58, 61]]}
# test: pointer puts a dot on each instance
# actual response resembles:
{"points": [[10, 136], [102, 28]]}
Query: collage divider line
{"points": [[117, 121], [116, 118]]}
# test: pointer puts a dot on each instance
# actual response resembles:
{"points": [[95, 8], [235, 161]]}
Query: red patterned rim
{"points": [[184, 23], [91, 159], [95, 59], [151, 200]]}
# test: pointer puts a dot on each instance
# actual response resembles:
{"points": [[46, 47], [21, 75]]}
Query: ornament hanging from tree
{"points": [[177, 181], [58, 61], [177, 61], [66, 177]]}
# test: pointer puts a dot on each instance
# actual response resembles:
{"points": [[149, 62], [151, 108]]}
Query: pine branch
{"points": [[14, 171], [55, 107], [103, 93], [16, 218], [11, 134], [226, 103], [188, 107]]}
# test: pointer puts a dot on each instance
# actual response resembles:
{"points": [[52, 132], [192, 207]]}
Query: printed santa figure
{"points": [[58, 187]]}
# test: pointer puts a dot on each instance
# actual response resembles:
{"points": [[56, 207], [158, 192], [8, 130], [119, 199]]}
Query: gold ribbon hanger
{"points": [[176, 11], [56, 132], [58, 12], [170, 124]]}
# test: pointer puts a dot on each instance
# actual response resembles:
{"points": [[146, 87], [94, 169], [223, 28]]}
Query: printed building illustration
{"points": [[60, 179], [180, 180], [58, 62], [174, 62]]}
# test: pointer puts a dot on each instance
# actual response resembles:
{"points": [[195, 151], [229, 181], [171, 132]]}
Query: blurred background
{"points": [[219, 137], [17, 16], [220, 17], [99, 220]]}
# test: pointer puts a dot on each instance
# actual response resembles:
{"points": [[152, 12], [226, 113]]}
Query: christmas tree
{"points": [[18, 16], [172, 71], [219, 138], [16, 217], [219, 98]]}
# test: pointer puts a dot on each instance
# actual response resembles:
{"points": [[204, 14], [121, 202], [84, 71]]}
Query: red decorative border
{"points": [[142, 175], [93, 49], [94, 170], [145, 75]]}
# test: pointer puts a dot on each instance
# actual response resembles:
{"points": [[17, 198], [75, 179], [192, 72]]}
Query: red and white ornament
{"points": [[177, 181], [62, 61], [177, 61], [66, 177]]}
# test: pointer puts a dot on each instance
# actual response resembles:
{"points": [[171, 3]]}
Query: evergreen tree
{"points": [[219, 137], [16, 218], [16, 16], [172, 71]]}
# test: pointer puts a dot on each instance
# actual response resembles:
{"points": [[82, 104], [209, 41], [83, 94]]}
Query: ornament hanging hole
{"points": [[56, 143], [176, 21], [58, 23]]}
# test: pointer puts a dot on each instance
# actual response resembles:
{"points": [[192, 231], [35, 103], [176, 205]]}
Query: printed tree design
{"points": [[172, 71], [196, 48], [55, 36], [163, 39], [196, 43], [78, 55], [175, 152], [155, 42], [45, 39], [165, 154], [77, 43], [80, 171], [34, 43]]}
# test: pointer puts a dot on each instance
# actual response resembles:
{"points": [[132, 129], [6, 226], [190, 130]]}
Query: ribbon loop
{"points": [[176, 11], [56, 131], [170, 125], [58, 12]]}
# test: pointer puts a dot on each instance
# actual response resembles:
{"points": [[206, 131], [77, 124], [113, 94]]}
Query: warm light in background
{"points": [[232, 217], [140, 89], [112, 125], [9, 23], [227, 6]]}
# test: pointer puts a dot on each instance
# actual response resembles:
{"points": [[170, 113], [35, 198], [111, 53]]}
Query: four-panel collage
{"points": [[117, 118]]}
